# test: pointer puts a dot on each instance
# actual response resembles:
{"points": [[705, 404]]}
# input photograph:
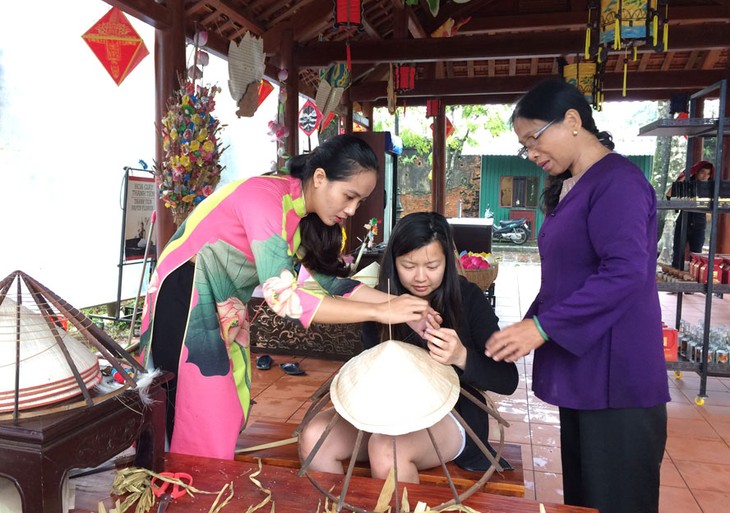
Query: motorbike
{"points": [[511, 230]]}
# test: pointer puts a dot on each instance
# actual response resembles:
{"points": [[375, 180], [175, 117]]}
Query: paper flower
{"points": [[470, 260], [191, 167]]}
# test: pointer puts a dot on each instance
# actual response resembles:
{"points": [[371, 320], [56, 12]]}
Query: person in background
{"points": [[420, 260], [696, 221], [595, 325], [255, 231]]}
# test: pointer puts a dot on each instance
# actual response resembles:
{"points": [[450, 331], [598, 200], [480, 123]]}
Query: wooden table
{"points": [[293, 494], [261, 432], [37, 452]]}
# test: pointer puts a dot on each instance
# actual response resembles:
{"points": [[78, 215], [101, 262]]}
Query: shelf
{"points": [[684, 204], [711, 197], [691, 286], [723, 205], [695, 127], [680, 286], [712, 369]]}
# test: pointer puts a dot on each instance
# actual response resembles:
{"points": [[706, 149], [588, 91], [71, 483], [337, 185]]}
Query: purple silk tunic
{"points": [[598, 298]]}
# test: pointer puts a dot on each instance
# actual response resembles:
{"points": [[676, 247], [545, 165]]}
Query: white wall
{"points": [[66, 133]]}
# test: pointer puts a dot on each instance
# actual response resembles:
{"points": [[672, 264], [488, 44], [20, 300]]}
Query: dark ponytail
{"points": [[341, 157], [549, 100]]}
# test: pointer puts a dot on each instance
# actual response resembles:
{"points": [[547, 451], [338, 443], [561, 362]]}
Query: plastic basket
{"points": [[483, 278]]}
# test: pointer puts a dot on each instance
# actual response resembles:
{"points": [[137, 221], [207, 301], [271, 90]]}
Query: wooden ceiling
{"points": [[504, 48]]}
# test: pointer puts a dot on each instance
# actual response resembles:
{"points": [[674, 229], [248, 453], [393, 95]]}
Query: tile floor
{"points": [[696, 468]]}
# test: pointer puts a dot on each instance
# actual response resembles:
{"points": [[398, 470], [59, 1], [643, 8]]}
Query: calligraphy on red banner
{"points": [[116, 44]]}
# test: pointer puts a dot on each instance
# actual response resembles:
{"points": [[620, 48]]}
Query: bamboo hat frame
{"points": [[370, 371], [36, 313]]}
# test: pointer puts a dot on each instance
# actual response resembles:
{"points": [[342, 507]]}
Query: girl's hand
{"points": [[402, 309], [432, 319], [514, 342], [445, 346]]}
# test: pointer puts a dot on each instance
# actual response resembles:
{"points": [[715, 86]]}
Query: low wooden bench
{"points": [[509, 482]]}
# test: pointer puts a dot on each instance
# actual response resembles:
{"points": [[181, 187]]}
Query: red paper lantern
{"points": [[348, 12], [405, 77], [116, 44], [432, 107], [265, 89]]}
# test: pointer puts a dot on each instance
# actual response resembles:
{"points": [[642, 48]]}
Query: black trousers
{"points": [[611, 458], [696, 226], [171, 318]]}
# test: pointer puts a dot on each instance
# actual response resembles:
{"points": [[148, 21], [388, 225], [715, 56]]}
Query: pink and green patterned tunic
{"points": [[243, 235]]}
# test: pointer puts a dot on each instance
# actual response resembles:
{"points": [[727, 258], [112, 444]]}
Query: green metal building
{"points": [[510, 187]]}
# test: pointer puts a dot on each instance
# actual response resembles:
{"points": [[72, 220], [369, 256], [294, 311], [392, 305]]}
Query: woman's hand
{"points": [[431, 318], [445, 346], [514, 342], [402, 309]]}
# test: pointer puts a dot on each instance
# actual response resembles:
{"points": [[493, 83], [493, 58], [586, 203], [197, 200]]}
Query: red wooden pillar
{"points": [[438, 170], [169, 64], [291, 108], [349, 118], [367, 112]]}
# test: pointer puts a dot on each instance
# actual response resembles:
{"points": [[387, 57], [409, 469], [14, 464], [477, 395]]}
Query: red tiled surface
{"points": [[696, 468]]}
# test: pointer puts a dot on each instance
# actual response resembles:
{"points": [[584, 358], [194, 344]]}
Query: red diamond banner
{"points": [[309, 117], [116, 44]]}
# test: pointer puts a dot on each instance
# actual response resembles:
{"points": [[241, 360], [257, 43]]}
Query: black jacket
{"points": [[477, 324]]}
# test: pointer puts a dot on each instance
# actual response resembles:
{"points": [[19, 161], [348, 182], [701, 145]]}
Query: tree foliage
{"points": [[469, 123]]}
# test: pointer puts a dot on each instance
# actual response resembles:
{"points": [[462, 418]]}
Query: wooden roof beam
{"points": [[684, 37], [508, 98], [149, 11], [288, 13], [578, 20], [713, 56], [311, 23], [644, 62], [457, 11], [461, 87], [237, 14], [414, 25]]}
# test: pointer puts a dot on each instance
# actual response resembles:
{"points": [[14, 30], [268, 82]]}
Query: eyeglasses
{"points": [[531, 141]]}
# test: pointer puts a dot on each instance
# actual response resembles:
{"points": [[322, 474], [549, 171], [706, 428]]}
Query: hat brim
{"points": [[394, 388]]}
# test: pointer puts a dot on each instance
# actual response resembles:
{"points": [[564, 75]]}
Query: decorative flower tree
{"points": [[190, 168], [278, 130]]}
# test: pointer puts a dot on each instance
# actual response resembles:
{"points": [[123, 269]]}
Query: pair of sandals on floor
{"points": [[264, 362]]}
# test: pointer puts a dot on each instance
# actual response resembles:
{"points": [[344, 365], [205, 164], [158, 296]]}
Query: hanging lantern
{"points": [[405, 77], [588, 78], [634, 22], [348, 12], [432, 107], [626, 25]]}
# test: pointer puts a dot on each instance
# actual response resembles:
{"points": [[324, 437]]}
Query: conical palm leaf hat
{"points": [[31, 353], [394, 388]]}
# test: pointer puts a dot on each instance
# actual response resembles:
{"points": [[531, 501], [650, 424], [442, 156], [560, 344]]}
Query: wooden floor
{"points": [[696, 468]]}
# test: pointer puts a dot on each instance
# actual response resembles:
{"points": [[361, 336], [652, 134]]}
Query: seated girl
{"points": [[420, 260]]}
